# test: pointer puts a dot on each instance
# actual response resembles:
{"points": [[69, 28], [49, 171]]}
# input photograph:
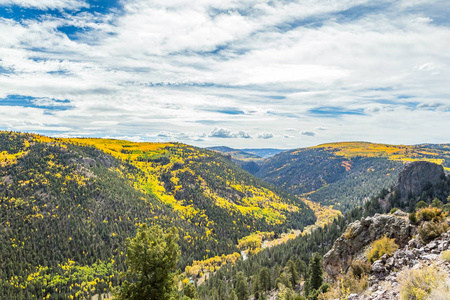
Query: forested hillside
{"points": [[345, 174], [67, 206], [287, 271]]}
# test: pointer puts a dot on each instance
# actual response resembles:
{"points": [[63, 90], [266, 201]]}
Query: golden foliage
{"points": [[445, 256], [417, 284], [393, 152], [211, 264], [380, 247]]}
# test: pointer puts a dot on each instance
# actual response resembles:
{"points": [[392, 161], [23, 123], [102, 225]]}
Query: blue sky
{"points": [[245, 74]]}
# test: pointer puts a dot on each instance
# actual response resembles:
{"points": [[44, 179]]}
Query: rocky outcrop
{"points": [[383, 283], [360, 234], [413, 179]]}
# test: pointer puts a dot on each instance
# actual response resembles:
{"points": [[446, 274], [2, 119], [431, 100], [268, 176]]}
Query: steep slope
{"points": [[67, 206], [362, 225], [345, 174]]}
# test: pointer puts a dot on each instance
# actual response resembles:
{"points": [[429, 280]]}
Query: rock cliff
{"points": [[416, 175]]}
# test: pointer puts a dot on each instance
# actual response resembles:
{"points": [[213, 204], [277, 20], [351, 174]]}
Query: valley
{"points": [[69, 204]]}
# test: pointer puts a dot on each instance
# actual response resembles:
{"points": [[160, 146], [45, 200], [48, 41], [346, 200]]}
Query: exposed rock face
{"points": [[359, 234], [384, 285], [415, 176]]}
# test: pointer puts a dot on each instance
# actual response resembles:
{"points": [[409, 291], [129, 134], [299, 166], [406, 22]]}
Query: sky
{"points": [[241, 73]]}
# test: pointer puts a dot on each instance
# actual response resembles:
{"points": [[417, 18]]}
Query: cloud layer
{"points": [[254, 73]]}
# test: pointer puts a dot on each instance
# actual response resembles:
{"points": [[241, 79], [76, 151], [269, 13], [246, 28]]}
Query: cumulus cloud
{"points": [[265, 135], [222, 133], [266, 66], [308, 133], [226, 133], [244, 135]]}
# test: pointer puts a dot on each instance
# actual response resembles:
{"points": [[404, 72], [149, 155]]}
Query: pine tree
{"points": [[151, 257], [232, 295], [316, 278], [255, 286], [294, 274], [241, 286], [264, 279]]}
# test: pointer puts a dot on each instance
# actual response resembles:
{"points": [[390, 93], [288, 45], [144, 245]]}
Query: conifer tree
{"points": [[232, 295], [316, 278], [264, 279], [151, 257], [294, 274], [241, 286]]}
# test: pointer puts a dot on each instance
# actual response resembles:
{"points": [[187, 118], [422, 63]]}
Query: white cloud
{"points": [[265, 135], [226, 133], [46, 4], [159, 65]]}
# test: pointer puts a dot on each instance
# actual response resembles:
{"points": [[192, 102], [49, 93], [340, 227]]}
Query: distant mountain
{"points": [[247, 154], [265, 152], [236, 153], [248, 159], [68, 205], [346, 174]]}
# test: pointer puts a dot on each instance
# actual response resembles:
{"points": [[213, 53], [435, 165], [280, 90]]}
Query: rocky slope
{"points": [[360, 234], [383, 281]]}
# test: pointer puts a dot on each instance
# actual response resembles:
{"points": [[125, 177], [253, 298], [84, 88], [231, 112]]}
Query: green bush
{"points": [[421, 204], [413, 218], [393, 210], [431, 230], [437, 203], [446, 207], [432, 223], [380, 247]]}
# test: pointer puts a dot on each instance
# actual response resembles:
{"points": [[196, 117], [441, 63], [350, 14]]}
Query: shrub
{"points": [[359, 268], [346, 285], [349, 233], [431, 230], [431, 214], [437, 203], [446, 256], [393, 210], [380, 247], [421, 204], [446, 207], [413, 218], [419, 283], [442, 292]]}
